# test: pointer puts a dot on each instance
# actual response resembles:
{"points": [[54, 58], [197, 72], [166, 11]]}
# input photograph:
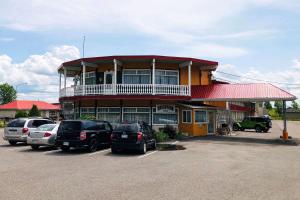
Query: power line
{"points": [[234, 75]]}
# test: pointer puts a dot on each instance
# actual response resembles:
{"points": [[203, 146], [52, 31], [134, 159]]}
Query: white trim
{"points": [[191, 116]]}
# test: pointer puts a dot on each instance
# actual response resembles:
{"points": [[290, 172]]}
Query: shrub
{"points": [[170, 131], [2, 124], [179, 136], [21, 113], [87, 117], [161, 137]]}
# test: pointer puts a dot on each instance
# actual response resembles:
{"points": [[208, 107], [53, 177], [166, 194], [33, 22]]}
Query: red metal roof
{"points": [[27, 105], [240, 92], [141, 57]]}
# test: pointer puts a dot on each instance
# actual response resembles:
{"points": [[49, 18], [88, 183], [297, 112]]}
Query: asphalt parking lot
{"points": [[241, 166]]}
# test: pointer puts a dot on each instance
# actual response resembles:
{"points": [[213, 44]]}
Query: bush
{"points": [[21, 113], [2, 124], [161, 137], [274, 114], [87, 117], [170, 131], [179, 136]]}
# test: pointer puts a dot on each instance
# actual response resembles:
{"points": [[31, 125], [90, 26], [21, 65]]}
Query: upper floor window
{"points": [[136, 76], [166, 77], [90, 78]]}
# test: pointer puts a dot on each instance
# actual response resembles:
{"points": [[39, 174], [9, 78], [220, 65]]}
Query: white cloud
{"points": [[38, 71]]}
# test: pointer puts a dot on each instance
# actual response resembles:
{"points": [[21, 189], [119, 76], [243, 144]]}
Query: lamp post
{"points": [[18, 85]]}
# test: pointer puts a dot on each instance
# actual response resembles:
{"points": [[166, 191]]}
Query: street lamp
{"points": [[20, 84]]}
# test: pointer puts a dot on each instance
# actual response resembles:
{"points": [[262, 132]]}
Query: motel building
{"points": [[159, 90]]}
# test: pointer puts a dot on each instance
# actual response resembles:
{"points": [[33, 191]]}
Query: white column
{"points": [[189, 77], [115, 76], [153, 77], [59, 81], [65, 78], [83, 78]]}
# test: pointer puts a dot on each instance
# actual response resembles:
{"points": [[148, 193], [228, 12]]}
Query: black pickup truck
{"points": [[88, 134]]}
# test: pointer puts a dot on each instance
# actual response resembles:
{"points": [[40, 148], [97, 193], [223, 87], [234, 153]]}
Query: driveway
{"points": [[206, 169]]}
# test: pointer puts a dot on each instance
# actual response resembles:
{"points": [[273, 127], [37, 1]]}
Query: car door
{"points": [[100, 132], [108, 131]]}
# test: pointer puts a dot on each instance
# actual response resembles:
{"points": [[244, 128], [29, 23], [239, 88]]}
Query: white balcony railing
{"points": [[125, 89]]}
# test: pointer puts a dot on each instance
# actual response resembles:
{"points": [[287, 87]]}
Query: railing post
{"points": [[153, 77]]}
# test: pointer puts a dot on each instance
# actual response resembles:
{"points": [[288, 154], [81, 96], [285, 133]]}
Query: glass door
{"points": [[108, 82], [211, 122]]}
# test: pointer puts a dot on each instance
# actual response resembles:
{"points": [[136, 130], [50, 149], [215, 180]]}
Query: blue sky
{"points": [[250, 38]]}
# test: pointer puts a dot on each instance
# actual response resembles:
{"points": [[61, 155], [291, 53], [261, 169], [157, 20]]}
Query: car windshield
{"points": [[127, 127], [17, 123], [46, 127], [69, 126]]}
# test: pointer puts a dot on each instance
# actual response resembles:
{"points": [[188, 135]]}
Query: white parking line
{"points": [[53, 151], [98, 152], [175, 142], [148, 154], [17, 148]]}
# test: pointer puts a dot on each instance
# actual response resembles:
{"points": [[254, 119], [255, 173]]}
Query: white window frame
{"points": [[206, 122], [87, 112], [176, 112], [191, 116], [137, 112], [123, 74], [109, 111], [167, 70]]}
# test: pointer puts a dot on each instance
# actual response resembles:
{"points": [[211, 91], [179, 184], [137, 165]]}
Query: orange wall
{"points": [[221, 104]]}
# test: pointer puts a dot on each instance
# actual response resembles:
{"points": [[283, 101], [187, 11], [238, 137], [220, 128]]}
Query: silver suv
{"points": [[17, 130]]}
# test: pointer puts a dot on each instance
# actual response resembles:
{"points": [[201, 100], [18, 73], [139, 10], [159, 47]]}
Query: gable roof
{"points": [[240, 92], [27, 105]]}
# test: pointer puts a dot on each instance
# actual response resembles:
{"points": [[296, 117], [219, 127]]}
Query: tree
{"points": [[279, 107], [295, 105], [34, 112], [268, 105], [21, 113], [7, 93]]}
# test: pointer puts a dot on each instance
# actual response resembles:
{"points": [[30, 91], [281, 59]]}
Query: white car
{"points": [[17, 130], [44, 135]]}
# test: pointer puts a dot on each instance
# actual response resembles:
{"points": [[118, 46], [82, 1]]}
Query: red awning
{"points": [[27, 105], [240, 92]]}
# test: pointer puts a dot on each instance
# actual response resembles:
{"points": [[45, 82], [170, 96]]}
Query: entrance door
{"points": [[211, 122], [108, 82]]}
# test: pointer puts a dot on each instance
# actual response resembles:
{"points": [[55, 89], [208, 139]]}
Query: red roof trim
{"points": [[157, 57]]}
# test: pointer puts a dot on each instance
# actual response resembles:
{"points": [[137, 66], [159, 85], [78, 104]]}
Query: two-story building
{"points": [[159, 90]]}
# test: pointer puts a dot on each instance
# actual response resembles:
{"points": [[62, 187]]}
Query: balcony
{"points": [[125, 89]]}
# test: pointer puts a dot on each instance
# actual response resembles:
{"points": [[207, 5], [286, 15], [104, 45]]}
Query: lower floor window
{"points": [[88, 112], [200, 116], [109, 114], [136, 114], [168, 117]]}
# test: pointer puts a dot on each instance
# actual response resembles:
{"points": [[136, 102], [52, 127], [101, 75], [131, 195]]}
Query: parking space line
{"points": [[175, 142], [98, 152], [148, 154], [53, 151], [17, 148]]}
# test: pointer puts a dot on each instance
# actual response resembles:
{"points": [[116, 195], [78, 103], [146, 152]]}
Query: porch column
{"points": [[59, 81], [285, 135], [189, 77], [115, 76], [83, 77], [65, 78], [153, 77]]}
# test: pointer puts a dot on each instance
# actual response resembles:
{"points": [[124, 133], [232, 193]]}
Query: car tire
{"points": [[65, 148], [35, 147], [93, 145], [12, 142], [143, 148], [235, 127], [266, 130], [258, 129]]}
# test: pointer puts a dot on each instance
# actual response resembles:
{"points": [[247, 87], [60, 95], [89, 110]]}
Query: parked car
{"points": [[44, 135], [17, 130], [133, 136], [87, 134], [258, 123]]}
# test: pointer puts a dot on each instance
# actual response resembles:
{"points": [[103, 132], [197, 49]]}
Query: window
{"points": [[111, 115], [87, 112], [186, 116], [136, 114], [166, 77], [138, 76], [90, 78], [167, 115], [16, 123], [200, 116]]}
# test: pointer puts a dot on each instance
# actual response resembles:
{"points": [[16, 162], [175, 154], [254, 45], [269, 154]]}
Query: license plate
{"points": [[66, 143], [35, 141], [124, 136]]}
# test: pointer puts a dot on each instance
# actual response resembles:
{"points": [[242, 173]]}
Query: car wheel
{"points": [[65, 148], [235, 128], [35, 147], [143, 149], [266, 130], [258, 129], [12, 142], [93, 145]]}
